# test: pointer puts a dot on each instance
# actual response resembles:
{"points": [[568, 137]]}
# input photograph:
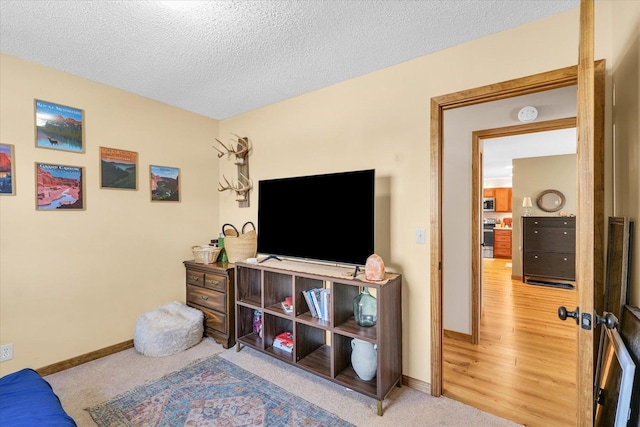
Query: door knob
{"points": [[563, 313], [609, 320]]}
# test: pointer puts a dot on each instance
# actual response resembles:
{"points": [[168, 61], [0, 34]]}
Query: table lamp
{"points": [[526, 204]]}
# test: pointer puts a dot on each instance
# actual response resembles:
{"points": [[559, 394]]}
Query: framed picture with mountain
{"points": [[118, 169], [59, 127], [165, 184], [7, 171], [59, 187]]}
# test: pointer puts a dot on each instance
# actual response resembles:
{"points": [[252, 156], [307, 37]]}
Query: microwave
{"points": [[489, 204]]}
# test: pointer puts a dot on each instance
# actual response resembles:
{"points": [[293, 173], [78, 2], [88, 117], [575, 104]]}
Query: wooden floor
{"points": [[524, 368]]}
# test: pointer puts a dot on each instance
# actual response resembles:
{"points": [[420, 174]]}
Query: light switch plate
{"points": [[421, 236]]}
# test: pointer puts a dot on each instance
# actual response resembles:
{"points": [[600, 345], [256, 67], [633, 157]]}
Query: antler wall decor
{"points": [[240, 148], [242, 190]]}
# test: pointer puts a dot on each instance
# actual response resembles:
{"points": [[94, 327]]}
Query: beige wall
{"points": [[75, 282], [532, 176], [626, 80], [379, 120]]}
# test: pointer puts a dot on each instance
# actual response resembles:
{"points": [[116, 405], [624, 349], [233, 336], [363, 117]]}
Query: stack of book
{"points": [[284, 341], [287, 305], [319, 302]]}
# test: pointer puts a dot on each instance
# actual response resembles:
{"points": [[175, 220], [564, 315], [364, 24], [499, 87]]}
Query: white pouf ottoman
{"points": [[168, 330]]}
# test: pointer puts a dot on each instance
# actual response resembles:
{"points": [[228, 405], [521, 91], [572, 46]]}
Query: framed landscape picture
{"points": [[7, 171], [165, 184], [59, 187], [59, 127], [118, 169]]}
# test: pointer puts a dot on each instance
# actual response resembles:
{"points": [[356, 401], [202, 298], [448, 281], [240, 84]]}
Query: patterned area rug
{"points": [[211, 392]]}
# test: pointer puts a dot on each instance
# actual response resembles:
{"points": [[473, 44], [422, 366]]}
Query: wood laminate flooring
{"points": [[524, 367]]}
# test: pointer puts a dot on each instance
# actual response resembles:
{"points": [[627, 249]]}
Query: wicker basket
{"points": [[205, 254], [242, 246]]}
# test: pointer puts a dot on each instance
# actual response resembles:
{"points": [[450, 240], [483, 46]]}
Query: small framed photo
{"points": [[7, 171], [59, 127], [59, 187], [165, 184], [118, 169]]}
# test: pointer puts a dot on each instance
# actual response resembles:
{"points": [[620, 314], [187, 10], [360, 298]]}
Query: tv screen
{"points": [[326, 217]]}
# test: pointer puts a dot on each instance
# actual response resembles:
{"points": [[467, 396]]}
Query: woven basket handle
{"points": [[247, 223], [229, 225]]}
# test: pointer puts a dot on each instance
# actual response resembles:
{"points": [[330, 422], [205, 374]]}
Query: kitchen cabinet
{"points": [[503, 196], [502, 243]]}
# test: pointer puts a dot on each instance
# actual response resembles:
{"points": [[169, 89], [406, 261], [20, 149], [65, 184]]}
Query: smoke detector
{"points": [[527, 114]]}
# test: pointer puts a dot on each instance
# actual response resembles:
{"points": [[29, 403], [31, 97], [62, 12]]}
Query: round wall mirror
{"points": [[550, 200]]}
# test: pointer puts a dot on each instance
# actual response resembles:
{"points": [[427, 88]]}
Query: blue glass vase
{"points": [[365, 308]]}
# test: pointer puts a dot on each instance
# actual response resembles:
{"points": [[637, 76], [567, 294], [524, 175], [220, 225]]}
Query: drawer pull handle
{"points": [[194, 278], [204, 297], [213, 282]]}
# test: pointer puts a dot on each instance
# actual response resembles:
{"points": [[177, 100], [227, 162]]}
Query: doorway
{"points": [[531, 84]]}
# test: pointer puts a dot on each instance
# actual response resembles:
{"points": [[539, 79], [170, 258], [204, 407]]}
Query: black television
{"points": [[327, 218]]}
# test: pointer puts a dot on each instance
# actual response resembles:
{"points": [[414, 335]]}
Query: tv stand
{"points": [[321, 347], [268, 258], [355, 272]]}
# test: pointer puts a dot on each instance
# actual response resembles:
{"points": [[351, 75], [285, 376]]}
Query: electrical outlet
{"points": [[421, 235], [6, 352]]}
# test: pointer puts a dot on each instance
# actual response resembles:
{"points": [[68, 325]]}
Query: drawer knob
{"points": [[535, 256], [535, 231], [565, 259], [204, 297], [565, 232]]}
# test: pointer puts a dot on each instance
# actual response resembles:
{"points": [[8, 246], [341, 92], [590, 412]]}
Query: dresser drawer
{"points": [[551, 239], [550, 222], [215, 282], [556, 265], [214, 320], [206, 298], [195, 278]]}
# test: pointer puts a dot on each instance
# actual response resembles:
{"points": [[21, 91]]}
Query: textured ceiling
{"points": [[222, 58]]}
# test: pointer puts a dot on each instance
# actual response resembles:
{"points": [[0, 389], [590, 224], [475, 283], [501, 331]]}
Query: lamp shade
{"points": [[526, 202]]}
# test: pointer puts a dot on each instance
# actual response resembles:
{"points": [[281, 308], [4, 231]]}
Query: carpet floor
{"points": [[102, 380], [211, 392]]}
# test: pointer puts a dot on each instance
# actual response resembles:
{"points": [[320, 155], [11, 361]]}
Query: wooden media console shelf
{"points": [[321, 347]]}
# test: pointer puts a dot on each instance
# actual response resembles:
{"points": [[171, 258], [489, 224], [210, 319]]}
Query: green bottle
{"points": [[223, 254]]}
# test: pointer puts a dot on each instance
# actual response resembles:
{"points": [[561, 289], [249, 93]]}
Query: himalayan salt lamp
{"points": [[374, 268]]}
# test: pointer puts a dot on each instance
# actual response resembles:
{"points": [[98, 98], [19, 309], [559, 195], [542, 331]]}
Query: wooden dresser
{"points": [[549, 248], [210, 289], [502, 243]]}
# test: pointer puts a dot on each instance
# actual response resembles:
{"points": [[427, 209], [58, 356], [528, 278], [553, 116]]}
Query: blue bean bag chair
{"points": [[27, 400]]}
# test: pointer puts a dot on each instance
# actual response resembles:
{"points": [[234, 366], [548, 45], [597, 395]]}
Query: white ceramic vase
{"points": [[364, 358]]}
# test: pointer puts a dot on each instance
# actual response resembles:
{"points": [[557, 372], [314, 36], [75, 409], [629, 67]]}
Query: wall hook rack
{"points": [[240, 149]]}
